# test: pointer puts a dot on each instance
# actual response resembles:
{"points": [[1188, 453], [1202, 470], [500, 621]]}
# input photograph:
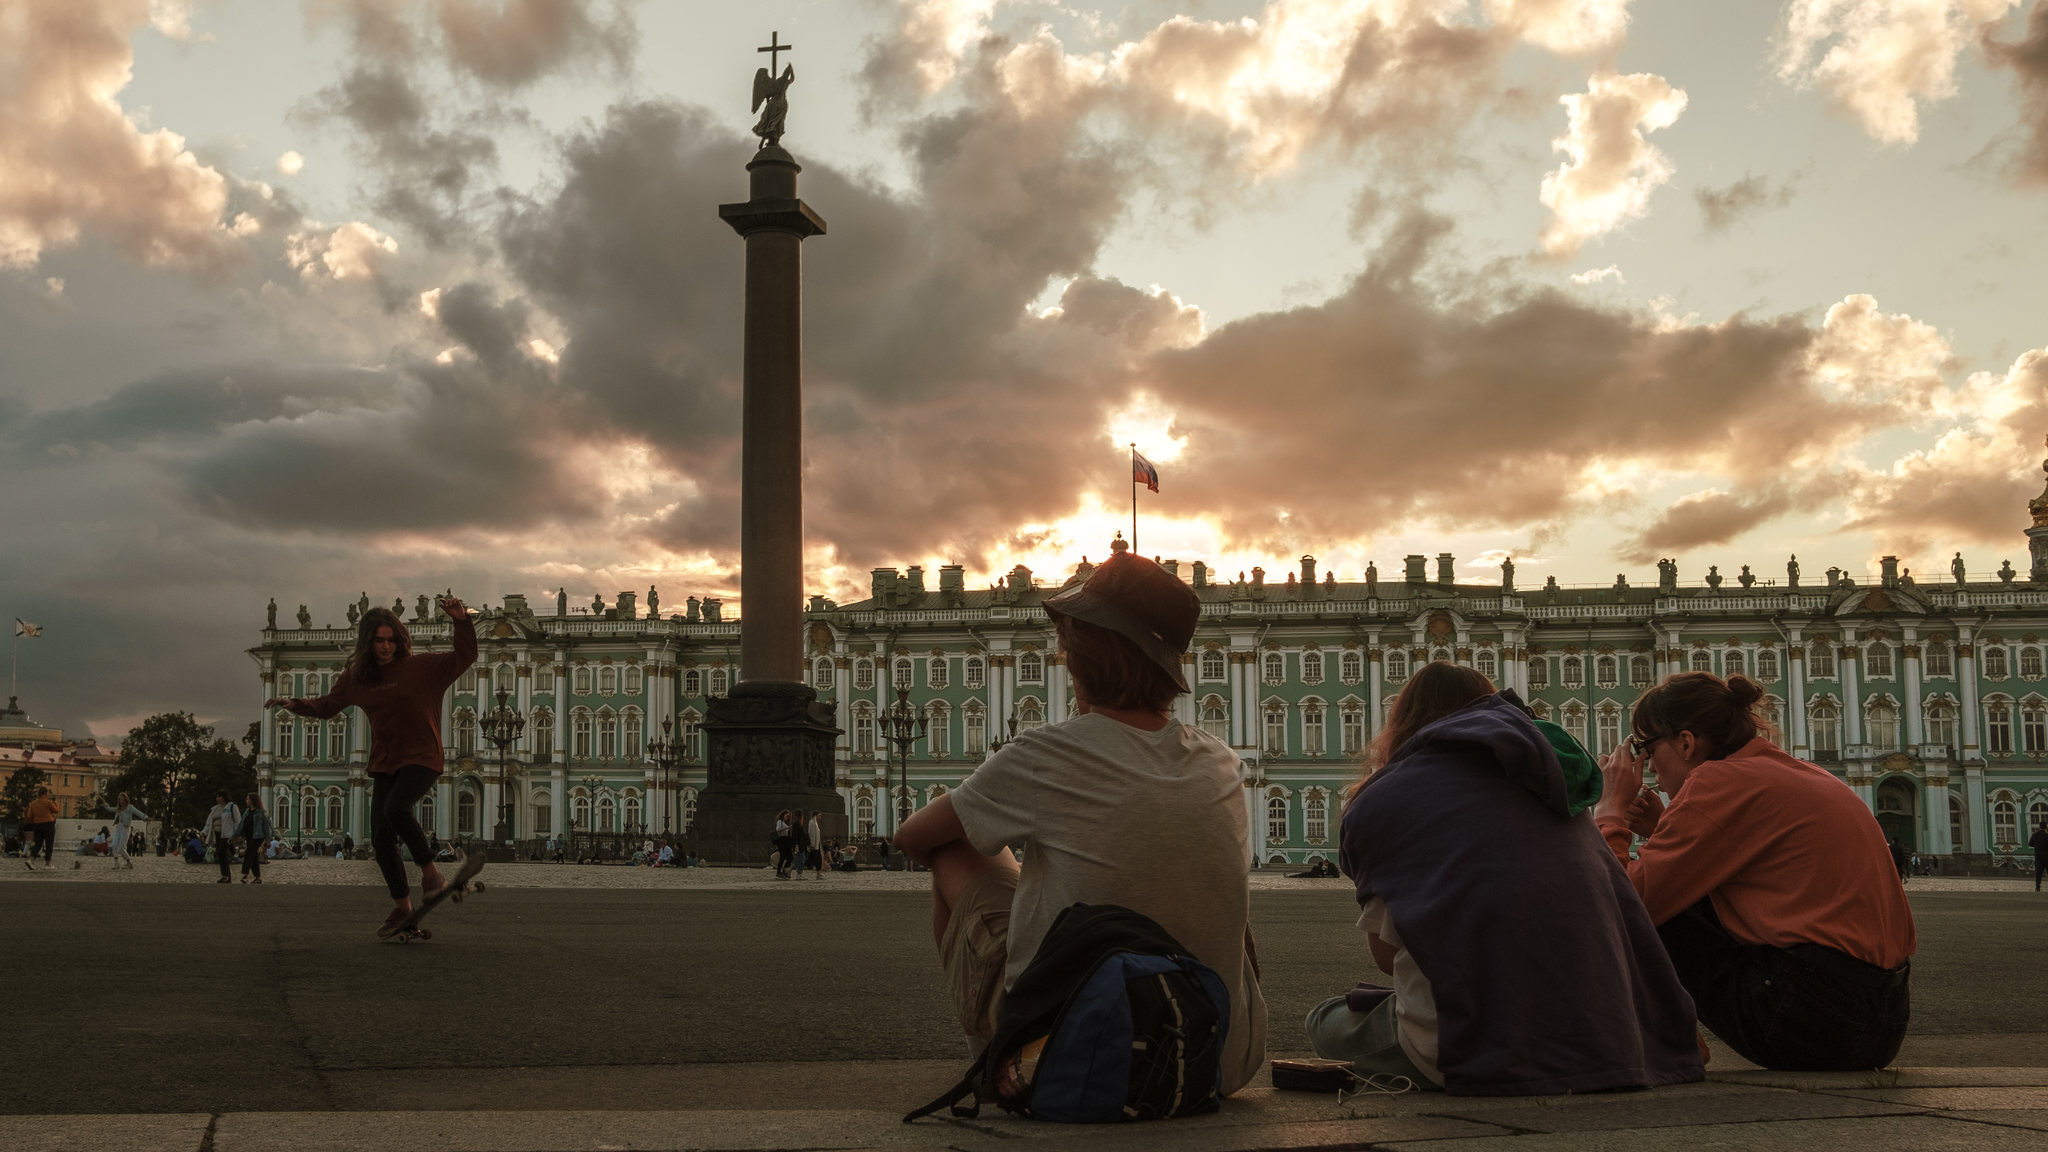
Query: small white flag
{"points": [[24, 628]]}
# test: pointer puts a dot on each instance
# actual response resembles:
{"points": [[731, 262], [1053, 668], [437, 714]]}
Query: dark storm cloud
{"points": [[184, 406], [1703, 519], [2028, 59], [1723, 208], [424, 169]]}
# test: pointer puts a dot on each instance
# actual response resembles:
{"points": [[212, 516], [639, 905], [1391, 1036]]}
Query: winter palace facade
{"points": [[1927, 697]]}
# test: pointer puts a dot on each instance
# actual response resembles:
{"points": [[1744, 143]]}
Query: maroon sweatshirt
{"points": [[404, 705]]}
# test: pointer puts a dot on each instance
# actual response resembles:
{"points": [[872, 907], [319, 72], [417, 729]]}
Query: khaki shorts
{"points": [[976, 950]]}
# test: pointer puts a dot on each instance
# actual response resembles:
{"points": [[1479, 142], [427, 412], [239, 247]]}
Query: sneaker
{"points": [[258, 880], [391, 923], [222, 880]]}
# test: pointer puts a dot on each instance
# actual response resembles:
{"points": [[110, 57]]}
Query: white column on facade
{"points": [[1846, 668], [1372, 679], [448, 722], [842, 707], [1966, 672], [1251, 815], [444, 808], [558, 800], [1976, 816], [266, 736], [1935, 833], [1795, 703], [1009, 683], [487, 820], [1055, 688], [1916, 732], [356, 809], [1241, 696]]}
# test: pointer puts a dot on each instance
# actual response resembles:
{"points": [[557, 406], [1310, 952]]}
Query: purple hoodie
{"points": [[1548, 975]]}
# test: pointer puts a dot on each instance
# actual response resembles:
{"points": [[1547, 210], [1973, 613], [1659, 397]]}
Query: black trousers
{"points": [[224, 852], [2040, 866], [1800, 1009], [45, 840], [391, 800]]}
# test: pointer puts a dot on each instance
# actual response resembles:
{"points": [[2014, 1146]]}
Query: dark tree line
{"points": [[171, 763]]}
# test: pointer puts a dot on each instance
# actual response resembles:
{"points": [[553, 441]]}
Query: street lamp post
{"points": [[501, 728], [997, 745], [903, 726], [590, 786], [664, 753]]}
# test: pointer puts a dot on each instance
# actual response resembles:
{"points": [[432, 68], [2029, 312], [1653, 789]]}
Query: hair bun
{"points": [[1746, 691]]}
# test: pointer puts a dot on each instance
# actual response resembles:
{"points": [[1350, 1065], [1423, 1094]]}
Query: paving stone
{"points": [[1921, 1133], [1953, 1099], [1652, 1110], [182, 1132], [1889, 1078], [569, 1131], [1180, 1136]]}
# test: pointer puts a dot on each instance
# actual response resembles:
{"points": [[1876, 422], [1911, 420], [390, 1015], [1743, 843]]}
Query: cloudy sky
{"points": [[389, 296]]}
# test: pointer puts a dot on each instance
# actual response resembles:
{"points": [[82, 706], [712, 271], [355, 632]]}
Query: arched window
{"points": [[1030, 714], [938, 737], [334, 820], [1703, 660], [309, 811], [1312, 727], [1397, 664], [1941, 723], [2033, 726], [864, 728], [543, 677], [1640, 671], [1274, 666], [1276, 820], [467, 686], [1311, 667], [1881, 723], [1485, 664], [2030, 663], [693, 682], [1995, 665], [1574, 672], [1353, 714], [607, 814], [1541, 708], [632, 810], [543, 813], [864, 675], [283, 806], [465, 813], [1575, 721], [1955, 822], [1315, 818], [284, 736], [691, 730], [607, 735], [1767, 665], [1734, 662], [465, 733], [1998, 728], [1350, 667], [1606, 672], [974, 672], [1440, 656], [719, 679], [823, 674], [1824, 719], [2037, 814], [607, 681], [631, 748], [1940, 659], [316, 744], [337, 739], [938, 672], [689, 809], [1031, 668], [632, 679], [424, 812], [864, 815], [580, 680], [1212, 664], [2005, 822], [1774, 713], [1276, 729], [581, 720], [505, 678], [579, 810], [976, 726], [1607, 729], [543, 736], [1539, 673], [1215, 721], [1820, 661], [902, 679], [1877, 661]]}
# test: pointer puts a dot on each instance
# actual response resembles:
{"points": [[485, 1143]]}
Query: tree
{"points": [[178, 764], [19, 790]]}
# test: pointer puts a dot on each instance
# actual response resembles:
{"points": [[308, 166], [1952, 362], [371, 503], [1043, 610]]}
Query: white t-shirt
{"points": [[1414, 1000], [1153, 821]]}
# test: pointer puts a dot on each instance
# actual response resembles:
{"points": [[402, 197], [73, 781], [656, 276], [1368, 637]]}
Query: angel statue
{"points": [[772, 91]]}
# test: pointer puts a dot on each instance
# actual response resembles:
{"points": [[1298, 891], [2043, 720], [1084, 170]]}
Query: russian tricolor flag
{"points": [[1144, 470]]}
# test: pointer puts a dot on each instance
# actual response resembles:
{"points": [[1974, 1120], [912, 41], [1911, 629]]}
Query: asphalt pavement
{"points": [[188, 999]]}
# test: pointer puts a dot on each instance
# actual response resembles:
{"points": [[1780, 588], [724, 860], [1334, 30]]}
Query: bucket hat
{"points": [[1140, 601]]}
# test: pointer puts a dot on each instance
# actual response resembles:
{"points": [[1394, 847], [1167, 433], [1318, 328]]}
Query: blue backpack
{"points": [[1112, 1020]]}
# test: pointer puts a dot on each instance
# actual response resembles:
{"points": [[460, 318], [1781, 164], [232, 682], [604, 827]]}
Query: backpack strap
{"points": [[951, 1099]]}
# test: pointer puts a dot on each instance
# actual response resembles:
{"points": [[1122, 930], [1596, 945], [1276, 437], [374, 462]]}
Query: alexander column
{"points": [[770, 740]]}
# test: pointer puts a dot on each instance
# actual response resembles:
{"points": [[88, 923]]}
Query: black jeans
{"points": [[392, 797], [252, 858], [45, 840], [224, 852], [1800, 1009], [2040, 866]]}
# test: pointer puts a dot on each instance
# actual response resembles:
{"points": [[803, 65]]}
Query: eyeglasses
{"points": [[1642, 746]]}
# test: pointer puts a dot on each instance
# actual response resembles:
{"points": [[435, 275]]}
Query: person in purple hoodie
{"points": [[1522, 960]]}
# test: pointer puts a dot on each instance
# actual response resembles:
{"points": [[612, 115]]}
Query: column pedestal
{"points": [[771, 748]]}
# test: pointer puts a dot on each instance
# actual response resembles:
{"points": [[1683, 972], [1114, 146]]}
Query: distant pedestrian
{"points": [[816, 831], [252, 832], [1900, 860], [800, 837], [220, 827], [2039, 843], [124, 812], [784, 844], [42, 828]]}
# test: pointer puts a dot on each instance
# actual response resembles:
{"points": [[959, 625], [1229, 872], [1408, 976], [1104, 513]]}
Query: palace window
{"points": [[1276, 729], [717, 682], [1030, 714], [579, 809], [543, 736], [334, 821], [316, 744], [1215, 721], [977, 729], [1274, 668], [2037, 814], [1640, 671], [1311, 667], [863, 676], [580, 682], [1955, 821], [467, 686], [1354, 728], [1767, 665], [974, 673], [607, 735], [284, 736], [864, 815], [1998, 731], [693, 682], [1609, 729], [864, 729], [1606, 672], [309, 812], [2034, 726], [1824, 717], [823, 674], [543, 677], [1276, 820], [465, 813], [1212, 665], [937, 671], [938, 737], [1820, 662], [1702, 660], [689, 809], [607, 681], [2005, 823], [1315, 818], [902, 677], [1575, 721], [1485, 664], [692, 732], [1940, 660], [1734, 662], [580, 727], [631, 749], [2030, 663], [607, 812], [1877, 661], [505, 679], [1350, 666], [1031, 668], [1995, 665], [543, 813], [1541, 708], [1440, 656], [1312, 728], [337, 739], [1881, 723], [465, 734], [1397, 664], [632, 808], [1539, 673], [1774, 715], [632, 679], [1574, 672], [1941, 723]]}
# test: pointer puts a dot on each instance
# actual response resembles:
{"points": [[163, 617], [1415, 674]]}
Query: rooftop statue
{"points": [[772, 90], [1957, 568], [305, 617], [272, 613], [1792, 571]]}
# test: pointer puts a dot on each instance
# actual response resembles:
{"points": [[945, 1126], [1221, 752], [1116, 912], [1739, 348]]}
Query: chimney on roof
{"points": [[1418, 569], [1201, 574], [1444, 569], [1891, 571], [916, 580], [952, 584], [883, 586]]}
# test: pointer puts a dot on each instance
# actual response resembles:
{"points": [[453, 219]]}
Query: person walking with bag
{"points": [[123, 813], [253, 832], [220, 827], [41, 825], [785, 844], [817, 833], [400, 695]]}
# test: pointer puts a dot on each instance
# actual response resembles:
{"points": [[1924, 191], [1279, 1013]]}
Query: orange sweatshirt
{"points": [[1789, 854], [41, 810], [404, 706]]}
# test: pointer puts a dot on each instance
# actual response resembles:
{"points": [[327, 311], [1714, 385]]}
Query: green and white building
{"points": [[1928, 698]]}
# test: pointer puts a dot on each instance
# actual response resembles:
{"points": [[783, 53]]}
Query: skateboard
{"points": [[465, 881]]}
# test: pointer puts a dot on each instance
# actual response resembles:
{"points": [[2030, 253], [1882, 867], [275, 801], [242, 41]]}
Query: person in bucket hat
{"points": [[1119, 804]]}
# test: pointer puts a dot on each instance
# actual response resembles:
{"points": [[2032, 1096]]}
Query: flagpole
{"points": [[1134, 496]]}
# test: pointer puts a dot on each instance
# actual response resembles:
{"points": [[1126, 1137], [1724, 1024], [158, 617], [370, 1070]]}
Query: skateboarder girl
{"points": [[400, 695]]}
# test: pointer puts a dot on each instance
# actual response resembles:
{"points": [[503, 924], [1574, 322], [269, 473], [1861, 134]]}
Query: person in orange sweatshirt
{"points": [[1767, 877], [41, 822], [400, 695]]}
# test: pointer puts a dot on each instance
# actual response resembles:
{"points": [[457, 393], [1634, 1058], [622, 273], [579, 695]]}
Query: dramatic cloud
{"points": [[1723, 208], [1567, 27], [1701, 519], [1612, 169], [507, 43], [2028, 58], [1879, 59], [72, 160]]}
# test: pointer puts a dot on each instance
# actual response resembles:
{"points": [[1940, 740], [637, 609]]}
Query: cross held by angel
{"points": [[773, 91]]}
